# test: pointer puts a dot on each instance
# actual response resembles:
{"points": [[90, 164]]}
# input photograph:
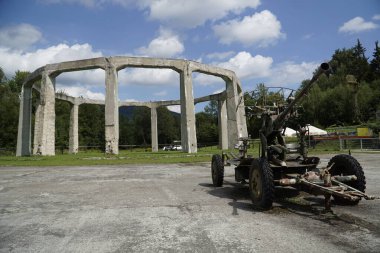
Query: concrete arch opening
{"points": [[232, 106]]}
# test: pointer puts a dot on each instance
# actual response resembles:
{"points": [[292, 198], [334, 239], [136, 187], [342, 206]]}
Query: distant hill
{"points": [[128, 111]]}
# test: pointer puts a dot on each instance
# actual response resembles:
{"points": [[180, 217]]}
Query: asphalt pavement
{"points": [[173, 208]]}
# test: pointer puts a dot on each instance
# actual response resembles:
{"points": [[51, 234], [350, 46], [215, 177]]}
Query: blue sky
{"points": [[277, 42]]}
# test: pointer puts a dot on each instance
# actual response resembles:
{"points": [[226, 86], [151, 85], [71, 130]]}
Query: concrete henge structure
{"points": [[232, 123]]}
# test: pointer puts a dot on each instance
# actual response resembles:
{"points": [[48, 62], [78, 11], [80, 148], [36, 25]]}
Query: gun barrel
{"points": [[279, 121]]}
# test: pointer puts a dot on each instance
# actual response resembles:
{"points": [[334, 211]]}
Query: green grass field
{"points": [[141, 156]]}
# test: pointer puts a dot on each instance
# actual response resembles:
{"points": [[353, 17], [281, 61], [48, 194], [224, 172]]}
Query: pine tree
{"points": [[375, 62]]}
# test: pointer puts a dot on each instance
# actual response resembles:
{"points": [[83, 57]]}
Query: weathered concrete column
{"points": [[234, 121], [188, 130], [73, 131], [241, 117], [37, 122], [111, 111], [24, 123], [153, 123], [222, 124], [46, 127]]}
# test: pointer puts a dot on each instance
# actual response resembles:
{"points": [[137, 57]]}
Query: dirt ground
{"points": [[171, 208]]}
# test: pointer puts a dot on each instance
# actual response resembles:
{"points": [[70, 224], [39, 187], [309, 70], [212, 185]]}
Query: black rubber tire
{"points": [[348, 165], [261, 185], [217, 170]]}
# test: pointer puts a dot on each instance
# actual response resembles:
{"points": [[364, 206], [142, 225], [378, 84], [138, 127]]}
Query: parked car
{"points": [[176, 146]]}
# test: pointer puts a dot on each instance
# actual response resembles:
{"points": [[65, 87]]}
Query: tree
{"points": [[212, 108], [375, 62], [2, 76], [207, 129], [91, 125], [168, 125], [62, 123], [9, 110], [141, 119], [17, 81]]}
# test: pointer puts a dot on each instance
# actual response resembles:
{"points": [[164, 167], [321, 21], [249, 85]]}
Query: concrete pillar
{"points": [[233, 118], [222, 124], [73, 131], [111, 111], [37, 122], [24, 123], [153, 122], [46, 122], [188, 130], [241, 116]]}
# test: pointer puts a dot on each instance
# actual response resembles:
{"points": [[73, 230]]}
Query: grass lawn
{"points": [[99, 158], [135, 157]]}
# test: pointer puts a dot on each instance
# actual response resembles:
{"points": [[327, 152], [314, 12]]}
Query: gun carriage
{"points": [[281, 164]]}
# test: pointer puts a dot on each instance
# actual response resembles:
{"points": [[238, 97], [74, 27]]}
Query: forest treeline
{"points": [[330, 102]]}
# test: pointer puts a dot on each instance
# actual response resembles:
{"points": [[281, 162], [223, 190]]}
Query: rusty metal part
{"points": [[327, 183], [348, 178], [287, 181]]}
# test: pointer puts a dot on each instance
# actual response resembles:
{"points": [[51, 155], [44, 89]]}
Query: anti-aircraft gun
{"points": [[281, 164]]}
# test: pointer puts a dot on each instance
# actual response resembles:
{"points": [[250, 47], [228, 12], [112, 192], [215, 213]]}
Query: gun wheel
{"points": [[261, 185], [217, 170], [347, 165]]}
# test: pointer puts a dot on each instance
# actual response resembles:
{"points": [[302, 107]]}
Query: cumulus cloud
{"points": [[91, 3], [175, 13], [376, 17], [243, 64], [220, 55], [19, 37], [174, 108], [166, 44], [247, 66], [29, 61], [290, 73], [82, 78], [148, 77], [190, 14], [357, 25], [81, 92], [261, 29]]}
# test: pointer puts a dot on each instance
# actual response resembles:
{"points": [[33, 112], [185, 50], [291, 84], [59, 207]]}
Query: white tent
{"points": [[289, 132], [315, 130]]}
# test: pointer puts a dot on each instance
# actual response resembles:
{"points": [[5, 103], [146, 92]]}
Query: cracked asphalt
{"points": [[173, 208]]}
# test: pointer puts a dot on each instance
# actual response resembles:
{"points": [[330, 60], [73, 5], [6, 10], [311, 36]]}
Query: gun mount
{"points": [[280, 164], [273, 145]]}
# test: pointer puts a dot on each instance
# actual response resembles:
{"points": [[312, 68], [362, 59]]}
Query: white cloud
{"points": [[166, 44], [147, 76], [175, 13], [204, 79], [247, 66], [185, 13], [290, 73], [261, 29], [91, 3], [218, 91], [161, 93], [82, 78], [220, 55], [243, 64], [81, 91], [376, 17], [131, 100], [17, 60], [357, 25], [19, 37], [174, 108]]}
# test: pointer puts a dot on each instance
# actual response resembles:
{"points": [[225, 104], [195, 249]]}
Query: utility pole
{"points": [[351, 80]]}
